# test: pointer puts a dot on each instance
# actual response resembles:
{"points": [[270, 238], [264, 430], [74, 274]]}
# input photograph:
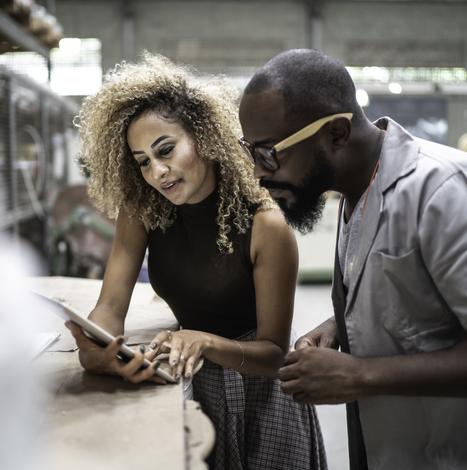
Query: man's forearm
{"points": [[439, 373]]}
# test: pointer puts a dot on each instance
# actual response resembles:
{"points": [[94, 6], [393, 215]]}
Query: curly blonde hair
{"points": [[205, 108]]}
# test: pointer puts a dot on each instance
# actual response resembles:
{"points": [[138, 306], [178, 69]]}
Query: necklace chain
{"points": [[373, 175]]}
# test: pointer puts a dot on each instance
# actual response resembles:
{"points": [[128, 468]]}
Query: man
{"points": [[399, 291]]}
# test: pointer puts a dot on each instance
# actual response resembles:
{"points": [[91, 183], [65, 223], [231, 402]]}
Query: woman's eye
{"points": [[164, 151], [143, 163]]}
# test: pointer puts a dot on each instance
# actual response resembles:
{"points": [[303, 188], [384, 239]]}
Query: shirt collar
{"points": [[399, 153]]}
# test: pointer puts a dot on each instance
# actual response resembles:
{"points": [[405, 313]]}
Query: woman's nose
{"points": [[159, 169]]}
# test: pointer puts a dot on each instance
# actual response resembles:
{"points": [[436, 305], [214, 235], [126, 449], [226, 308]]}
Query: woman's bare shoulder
{"points": [[270, 219], [271, 233]]}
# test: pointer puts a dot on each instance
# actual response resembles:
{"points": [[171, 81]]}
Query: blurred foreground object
{"points": [[19, 404]]}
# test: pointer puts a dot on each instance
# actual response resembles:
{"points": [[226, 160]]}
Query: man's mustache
{"points": [[268, 184]]}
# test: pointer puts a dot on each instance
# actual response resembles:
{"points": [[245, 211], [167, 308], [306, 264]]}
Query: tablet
{"points": [[97, 333]]}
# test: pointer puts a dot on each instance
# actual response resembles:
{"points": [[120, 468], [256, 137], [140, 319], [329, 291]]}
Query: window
{"points": [[76, 66]]}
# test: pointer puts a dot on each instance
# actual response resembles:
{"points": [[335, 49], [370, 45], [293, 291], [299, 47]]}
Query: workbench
{"points": [[103, 422]]}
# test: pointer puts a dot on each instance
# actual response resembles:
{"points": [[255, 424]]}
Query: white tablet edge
{"points": [[67, 312]]}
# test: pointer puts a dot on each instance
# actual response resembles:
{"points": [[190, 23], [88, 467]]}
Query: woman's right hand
{"points": [[104, 360]]}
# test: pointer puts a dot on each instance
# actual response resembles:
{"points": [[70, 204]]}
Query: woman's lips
{"points": [[172, 186]]}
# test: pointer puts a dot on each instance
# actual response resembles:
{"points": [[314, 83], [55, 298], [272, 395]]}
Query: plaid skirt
{"points": [[257, 425]]}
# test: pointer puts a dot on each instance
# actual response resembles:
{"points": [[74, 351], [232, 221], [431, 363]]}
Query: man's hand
{"points": [[321, 376], [323, 336]]}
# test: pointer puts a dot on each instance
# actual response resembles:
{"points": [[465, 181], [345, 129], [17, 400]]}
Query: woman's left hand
{"points": [[185, 346]]}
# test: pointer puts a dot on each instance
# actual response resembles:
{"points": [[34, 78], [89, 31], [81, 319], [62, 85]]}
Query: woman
{"points": [[161, 148]]}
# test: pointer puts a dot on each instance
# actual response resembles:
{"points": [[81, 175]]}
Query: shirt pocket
{"points": [[416, 317]]}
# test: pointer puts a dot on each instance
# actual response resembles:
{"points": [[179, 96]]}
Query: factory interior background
{"points": [[407, 58]]}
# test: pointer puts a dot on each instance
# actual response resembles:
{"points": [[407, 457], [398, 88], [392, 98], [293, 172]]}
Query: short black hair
{"points": [[313, 84]]}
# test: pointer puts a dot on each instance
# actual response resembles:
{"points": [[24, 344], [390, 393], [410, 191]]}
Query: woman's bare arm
{"points": [[121, 272], [275, 263]]}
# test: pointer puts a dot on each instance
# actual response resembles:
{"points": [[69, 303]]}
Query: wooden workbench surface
{"points": [[102, 422]]}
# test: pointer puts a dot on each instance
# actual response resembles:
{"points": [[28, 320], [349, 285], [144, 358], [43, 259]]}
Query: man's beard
{"points": [[309, 200]]}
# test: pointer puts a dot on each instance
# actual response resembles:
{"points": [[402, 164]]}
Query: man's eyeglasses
{"points": [[267, 156]]}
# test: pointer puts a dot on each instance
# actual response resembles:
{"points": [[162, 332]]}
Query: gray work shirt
{"points": [[407, 293]]}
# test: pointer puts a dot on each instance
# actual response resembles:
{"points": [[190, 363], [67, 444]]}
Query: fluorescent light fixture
{"points": [[395, 88], [70, 45], [380, 74], [362, 97]]}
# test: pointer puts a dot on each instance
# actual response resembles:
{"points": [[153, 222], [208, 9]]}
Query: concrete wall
{"points": [[387, 33]]}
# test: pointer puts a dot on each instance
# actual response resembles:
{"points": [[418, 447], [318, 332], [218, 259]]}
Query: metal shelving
{"points": [[35, 126]]}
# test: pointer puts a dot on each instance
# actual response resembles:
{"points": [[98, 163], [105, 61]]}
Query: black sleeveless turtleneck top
{"points": [[207, 290]]}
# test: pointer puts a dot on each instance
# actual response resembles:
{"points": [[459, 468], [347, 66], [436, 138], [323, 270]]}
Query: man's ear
{"points": [[339, 130]]}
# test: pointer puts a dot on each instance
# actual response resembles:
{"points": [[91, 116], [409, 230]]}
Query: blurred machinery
{"points": [[81, 237], [36, 144], [36, 131]]}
